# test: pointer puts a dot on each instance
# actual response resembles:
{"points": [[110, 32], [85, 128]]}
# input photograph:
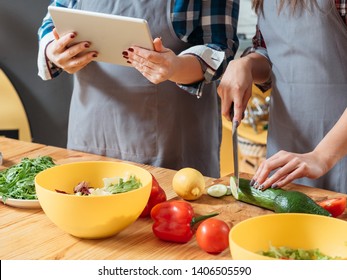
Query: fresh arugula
{"points": [[17, 181], [124, 185]]}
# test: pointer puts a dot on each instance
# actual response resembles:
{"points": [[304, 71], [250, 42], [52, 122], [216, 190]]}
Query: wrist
{"points": [[187, 70], [259, 66], [325, 160]]}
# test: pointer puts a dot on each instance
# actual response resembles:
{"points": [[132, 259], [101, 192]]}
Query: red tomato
{"points": [[157, 195], [336, 206], [212, 235]]}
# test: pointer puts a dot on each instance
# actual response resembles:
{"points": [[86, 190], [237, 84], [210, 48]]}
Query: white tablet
{"points": [[109, 35]]}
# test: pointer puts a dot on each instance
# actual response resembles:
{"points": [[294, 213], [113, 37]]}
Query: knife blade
{"points": [[235, 146]]}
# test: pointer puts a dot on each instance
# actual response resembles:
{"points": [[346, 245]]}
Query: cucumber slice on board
{"points": [[217, 190]]}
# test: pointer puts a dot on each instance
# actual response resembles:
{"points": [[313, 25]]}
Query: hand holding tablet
{"points": [[109, 35]]}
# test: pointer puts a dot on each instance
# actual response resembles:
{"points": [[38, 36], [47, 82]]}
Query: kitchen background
{"points": [[47, 103]]}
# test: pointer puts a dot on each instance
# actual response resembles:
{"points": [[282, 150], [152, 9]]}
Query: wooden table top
{"points": [[28, 234]]}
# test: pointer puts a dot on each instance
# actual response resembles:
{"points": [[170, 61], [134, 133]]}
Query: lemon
{"points": [[188, 183]]}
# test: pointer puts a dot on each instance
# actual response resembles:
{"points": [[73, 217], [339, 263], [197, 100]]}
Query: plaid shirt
{"points": [[205, 24]]}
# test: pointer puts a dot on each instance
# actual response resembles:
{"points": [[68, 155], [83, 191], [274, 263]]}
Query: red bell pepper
{"points": [[174, 221], [157, 195]]}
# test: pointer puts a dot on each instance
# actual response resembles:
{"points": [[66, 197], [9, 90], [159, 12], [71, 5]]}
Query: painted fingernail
{"points": [[130, 49], [95, 55], [261, 187], [125, 53], [251, 183], [128, 62], [274, 186], [86, 45], [255, 185], [72, 35]]}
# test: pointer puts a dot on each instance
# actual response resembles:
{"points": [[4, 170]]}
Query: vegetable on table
{"points": [[174, 221], [17, 181], [286, 253], [212, 236], [217, 190], [112, 185], [277, 200], [336, 206], [188, 183], [157, 196], [123, 185]]}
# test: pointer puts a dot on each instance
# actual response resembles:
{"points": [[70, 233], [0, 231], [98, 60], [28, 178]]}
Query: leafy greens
{"points": [[111, 186], [17, 181], [283, 252]]}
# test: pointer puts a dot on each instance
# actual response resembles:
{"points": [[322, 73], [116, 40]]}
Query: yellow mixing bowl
{"points": [[296, 231], [91, 216]]}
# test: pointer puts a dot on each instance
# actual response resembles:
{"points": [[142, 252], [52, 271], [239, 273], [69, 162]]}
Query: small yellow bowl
{"points": [[91, 216], [296, 231]]}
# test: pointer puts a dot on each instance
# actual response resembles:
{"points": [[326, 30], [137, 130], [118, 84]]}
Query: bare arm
{"points": [[291, 166]]}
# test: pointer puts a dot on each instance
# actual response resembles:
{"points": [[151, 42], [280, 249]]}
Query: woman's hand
{"points": [[313, 165], [69, 58], [236, 85], [236, 88], [157, 66], [290, 166]]}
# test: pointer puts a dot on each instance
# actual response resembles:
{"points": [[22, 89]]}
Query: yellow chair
{"points": [[13, 119], [247, 137]]}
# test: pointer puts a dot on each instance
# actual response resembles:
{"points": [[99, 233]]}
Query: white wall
{"points": [[247, 19]]}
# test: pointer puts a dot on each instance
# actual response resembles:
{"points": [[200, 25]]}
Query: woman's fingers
{"points": [[235, 88], [288, 166], [75, 64], [158, 45], [55, 34], [156, 65], [67, 55]]}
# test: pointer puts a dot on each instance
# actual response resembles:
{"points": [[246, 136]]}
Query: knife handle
{"points": [[232, 112]]}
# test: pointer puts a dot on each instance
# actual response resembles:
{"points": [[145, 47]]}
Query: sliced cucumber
{"points": [[233, 188], [277, 200], [248, 194], [217, 190]]}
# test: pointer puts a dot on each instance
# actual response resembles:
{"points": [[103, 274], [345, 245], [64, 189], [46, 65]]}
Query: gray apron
{"points": [[308, 51], [117, 112]]}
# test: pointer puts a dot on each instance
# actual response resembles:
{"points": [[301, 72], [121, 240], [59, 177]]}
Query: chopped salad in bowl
{"points": [[112, 185]]}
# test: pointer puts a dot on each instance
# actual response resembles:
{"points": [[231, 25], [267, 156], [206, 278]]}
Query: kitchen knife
{"points": [[235, 146]]}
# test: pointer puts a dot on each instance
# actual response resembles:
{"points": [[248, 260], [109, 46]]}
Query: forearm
{"points": [[188, 71], [260, 67], [333, 146]]}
